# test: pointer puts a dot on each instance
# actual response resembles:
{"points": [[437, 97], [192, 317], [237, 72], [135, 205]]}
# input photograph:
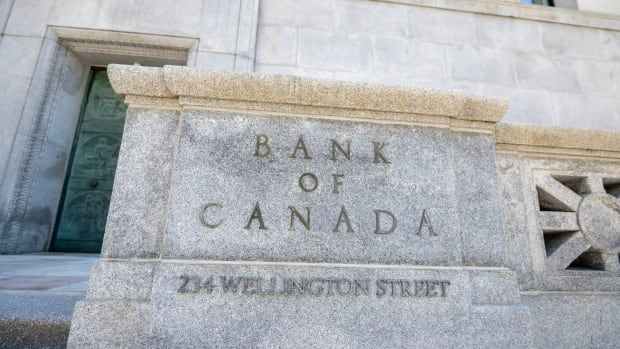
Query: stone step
{"points": [[38, 292], [33, 319]]}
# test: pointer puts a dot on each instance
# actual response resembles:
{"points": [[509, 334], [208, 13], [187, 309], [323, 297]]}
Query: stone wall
{"points": [[46, 50], [543, 271], [224, 28], [558, 67], [568, 279], [553, 74]]}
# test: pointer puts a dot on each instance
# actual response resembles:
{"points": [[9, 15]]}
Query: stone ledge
{"points": [[138, 80], [19, 333], [177, 81], [557, 138], [36, 319]]}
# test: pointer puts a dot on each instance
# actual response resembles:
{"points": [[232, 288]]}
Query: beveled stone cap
{"points": [[558, 137], [558, 140], [194, 84]]}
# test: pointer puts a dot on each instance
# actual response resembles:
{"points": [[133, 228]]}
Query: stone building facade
{"points": [[558, 67]]}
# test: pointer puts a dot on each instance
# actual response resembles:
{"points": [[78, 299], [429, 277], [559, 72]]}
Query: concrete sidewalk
{"points": [[37, 296]]}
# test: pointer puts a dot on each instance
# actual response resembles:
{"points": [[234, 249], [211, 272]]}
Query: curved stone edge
{"points": [[178, 81], [138, 80], [557, 137]]}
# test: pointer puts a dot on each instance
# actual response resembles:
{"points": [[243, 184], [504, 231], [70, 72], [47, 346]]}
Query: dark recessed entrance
{"points": [[86, 196]]}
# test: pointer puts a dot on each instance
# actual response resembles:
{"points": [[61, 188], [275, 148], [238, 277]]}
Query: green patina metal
{"points": [[86, 197]]}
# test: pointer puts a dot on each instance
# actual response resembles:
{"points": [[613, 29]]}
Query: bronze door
{"points": [[86, 196]]}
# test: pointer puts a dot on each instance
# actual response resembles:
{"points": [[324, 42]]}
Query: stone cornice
{"points": [[72, 34], [97, 41], [558, 141], [522, 11], [194, 88]]}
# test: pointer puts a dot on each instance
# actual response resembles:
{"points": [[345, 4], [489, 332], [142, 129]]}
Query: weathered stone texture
{"points": [[111, 324], [280, 47], [560, 138], [400, 44], [333, 51], [396, 240], [145, 162], [308, 321], [563, 73], [121, 280], [461, 31], [328, 98], [579, 320], [477, 210], [465, 63], [217, 150]]}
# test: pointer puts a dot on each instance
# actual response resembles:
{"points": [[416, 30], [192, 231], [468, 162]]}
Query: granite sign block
{"points": [[254, 187], [288, 212], [309, 306]]}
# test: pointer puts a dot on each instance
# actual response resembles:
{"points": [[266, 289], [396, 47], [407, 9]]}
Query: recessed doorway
{"points": [[88, 186]]}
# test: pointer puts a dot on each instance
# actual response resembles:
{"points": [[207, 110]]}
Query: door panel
{"points": [[88, 187]]}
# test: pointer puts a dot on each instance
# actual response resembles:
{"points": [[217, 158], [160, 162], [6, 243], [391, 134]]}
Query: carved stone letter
{"points": [[379, 156], [203, 216], [343, 217], [425, 222], [256, 214], [337, 182], [262, 146], [301, 146], [378, 229], [305, 187], [295, 213], [336, 145]]}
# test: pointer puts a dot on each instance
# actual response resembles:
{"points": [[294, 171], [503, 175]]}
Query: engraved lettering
{"points": [[315, 290], [430, 289], [256, 214], [337, 182], [230, 284], [444, 285], [362, 287], [189, 284], [381, 287], [311, 286], [208, 285], [301, 146], [272, 286], [378, 151], [404, 289], [425, 222], [304, 221], [378, 229], [330, 286], [420, 288], [203, 216], [343, 217], [250, 286], [391, 283], [337, 146], [343, 286], [295, 286], [184, 280], [308, 187], [263, 148]]}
